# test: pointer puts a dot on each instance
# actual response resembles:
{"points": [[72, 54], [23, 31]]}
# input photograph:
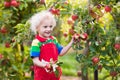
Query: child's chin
{"points": [[47, 36]]}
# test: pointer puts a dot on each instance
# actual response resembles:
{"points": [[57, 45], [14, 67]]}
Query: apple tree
{"points": [[95, 26], [14, 56]]}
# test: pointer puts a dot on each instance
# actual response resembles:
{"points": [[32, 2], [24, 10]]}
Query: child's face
{"points": [[45, 28]]}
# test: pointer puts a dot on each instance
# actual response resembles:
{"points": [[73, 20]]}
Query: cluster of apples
{"points": [[71, 21], [77, 37], [55, 11], [102, 9], [12, 3], [3, 30]]}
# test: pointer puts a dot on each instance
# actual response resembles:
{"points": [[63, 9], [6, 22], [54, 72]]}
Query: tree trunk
{"points": [[96, 75], [85, 52], [84, 77]]}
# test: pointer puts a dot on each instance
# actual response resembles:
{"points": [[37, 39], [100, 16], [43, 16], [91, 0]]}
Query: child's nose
{"points": [[49, 28]]}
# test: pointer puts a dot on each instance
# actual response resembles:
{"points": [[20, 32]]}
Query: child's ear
{"points": [[37, 29]]}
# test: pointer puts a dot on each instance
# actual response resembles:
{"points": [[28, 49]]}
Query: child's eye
{"points": [[51, 26], [45, 26]]}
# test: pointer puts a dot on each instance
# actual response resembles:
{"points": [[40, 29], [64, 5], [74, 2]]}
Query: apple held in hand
{"points": [[76, 36], [70, 21], [84, 36]]}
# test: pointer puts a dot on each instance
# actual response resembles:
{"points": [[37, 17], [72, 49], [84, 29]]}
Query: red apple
{"points": [[18, 4], [84, 36], [99, 6], [7, 45], [65, 34], [52, 10], [113, 73], [71, 31], [14, 3], [32, 68], [74, 17], [42, 1], [107, 8], [7, 4], [1, 56], [100, 67], [70, 21], [55, 11], [76, 36], [66, 2], [95, 60], [117, 46], [59, 72], [3, 30]]}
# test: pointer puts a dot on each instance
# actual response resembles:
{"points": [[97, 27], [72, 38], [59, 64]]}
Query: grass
{"points": [[70, 65]]}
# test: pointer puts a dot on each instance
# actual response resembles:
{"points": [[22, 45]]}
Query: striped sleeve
{"points": [[35, 48], [59, 46]]}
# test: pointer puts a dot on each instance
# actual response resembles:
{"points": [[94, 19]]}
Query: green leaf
{"points": [[15, 67]]}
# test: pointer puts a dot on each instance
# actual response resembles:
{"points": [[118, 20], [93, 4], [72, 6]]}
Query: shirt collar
{"points": [[41, 39]]}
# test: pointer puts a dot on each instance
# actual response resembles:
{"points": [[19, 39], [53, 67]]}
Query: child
{"points": [[45, 47]]}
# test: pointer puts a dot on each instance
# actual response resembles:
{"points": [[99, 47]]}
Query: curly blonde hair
{"points": [[37, 18]]}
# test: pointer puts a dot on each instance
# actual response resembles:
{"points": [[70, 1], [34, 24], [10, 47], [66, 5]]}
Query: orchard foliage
{"points": [[95, 26]]}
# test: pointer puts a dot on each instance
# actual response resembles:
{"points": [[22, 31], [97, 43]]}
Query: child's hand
{"points": [[52, 66], [48, 67], [76, 38]]}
